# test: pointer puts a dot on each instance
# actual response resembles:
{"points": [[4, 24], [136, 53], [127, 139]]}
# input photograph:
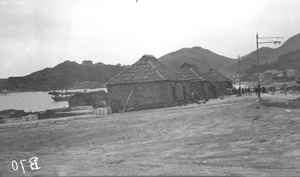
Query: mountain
{"points": [[249, 60], [290, 45], [266, 55], [289, 61], [285, 62], [62, 76], [203, 58]]}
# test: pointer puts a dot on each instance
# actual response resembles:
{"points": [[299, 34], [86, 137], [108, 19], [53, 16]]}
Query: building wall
{"points": [[221, 87], [217, 87], [179, 89], [210, 90], [204, 90], [145, 94]]}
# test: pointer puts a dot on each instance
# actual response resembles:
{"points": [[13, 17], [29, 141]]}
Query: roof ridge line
{"points": [[117, 75], [191, 69], [156, 70]]}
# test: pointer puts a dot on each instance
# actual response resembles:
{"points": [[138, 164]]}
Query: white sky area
{"points": [[35, 34]]}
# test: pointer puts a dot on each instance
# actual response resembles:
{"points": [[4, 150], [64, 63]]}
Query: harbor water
{"points": [[33, 101]]}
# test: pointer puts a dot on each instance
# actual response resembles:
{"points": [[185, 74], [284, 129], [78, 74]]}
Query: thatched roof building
{"points": [[147, 69], [217, 76], [192, 72], [96, 99], [200, 82], [221, 82], [151, 84]]}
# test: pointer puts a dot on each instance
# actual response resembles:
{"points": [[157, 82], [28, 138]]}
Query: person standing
{"points": [[263, 90]]}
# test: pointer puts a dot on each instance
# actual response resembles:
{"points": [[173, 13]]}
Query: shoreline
{"points": [[34, 101]]}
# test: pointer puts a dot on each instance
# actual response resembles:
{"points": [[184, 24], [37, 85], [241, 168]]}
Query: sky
{"points": [[35, 34]]}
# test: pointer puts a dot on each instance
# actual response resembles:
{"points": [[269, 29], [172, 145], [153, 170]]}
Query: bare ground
{"points": [[233, 136]]}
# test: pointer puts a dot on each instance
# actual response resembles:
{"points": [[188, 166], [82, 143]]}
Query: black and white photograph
{"points": [[149, 88]]}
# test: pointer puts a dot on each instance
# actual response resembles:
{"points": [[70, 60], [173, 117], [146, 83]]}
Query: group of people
{"points": [[246, 91], [250, 90]]}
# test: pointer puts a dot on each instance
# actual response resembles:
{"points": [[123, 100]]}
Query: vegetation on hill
{"points": [[62, 76], [205, 59], [248, 61], [266, 55], [66, 74], [289, 61], [202, 58], [285, 62]]}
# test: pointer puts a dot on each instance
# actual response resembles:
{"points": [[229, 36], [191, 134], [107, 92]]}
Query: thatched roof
{"points": [[101, 94], [216, 76], [193, 73], [147, 69]]}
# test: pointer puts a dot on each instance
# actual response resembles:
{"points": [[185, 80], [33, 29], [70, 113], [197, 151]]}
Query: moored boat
{"points": [[58, 96]]}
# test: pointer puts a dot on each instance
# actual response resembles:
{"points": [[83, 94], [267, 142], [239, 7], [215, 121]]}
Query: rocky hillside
{"points": [[266, 55], [289, 61], [62, 76], [285, 62], [248, 61], [203, 58]]}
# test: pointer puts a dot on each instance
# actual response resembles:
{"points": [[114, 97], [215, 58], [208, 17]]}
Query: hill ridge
{"points": [[62, 76], [266, 55], [196, 55]]}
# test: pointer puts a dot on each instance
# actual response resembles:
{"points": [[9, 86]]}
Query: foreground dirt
{"points": [[233, 136]]}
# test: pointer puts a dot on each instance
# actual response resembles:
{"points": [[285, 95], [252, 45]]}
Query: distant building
{"points": [[86, 85], [279, 78], [272, 71], [87, 63], [267, 77], [291, 73], [279, 75]]}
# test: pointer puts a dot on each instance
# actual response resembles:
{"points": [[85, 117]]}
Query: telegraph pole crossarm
{"points": [[271, 40], [240, 89]]}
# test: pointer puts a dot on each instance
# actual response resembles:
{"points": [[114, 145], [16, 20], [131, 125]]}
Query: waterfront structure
{"points": [[96, 99]]}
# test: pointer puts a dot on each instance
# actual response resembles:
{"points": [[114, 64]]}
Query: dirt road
{"points": [[233, 136]]}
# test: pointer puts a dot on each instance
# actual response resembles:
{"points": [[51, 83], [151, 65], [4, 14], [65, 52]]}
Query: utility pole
{"points": [[258, 75], [240, 89], [269, 40]]}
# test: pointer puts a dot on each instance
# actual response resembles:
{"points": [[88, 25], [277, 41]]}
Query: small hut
{"points": [[96, 99], [200, 83], [148, 83], [221, 82]]}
